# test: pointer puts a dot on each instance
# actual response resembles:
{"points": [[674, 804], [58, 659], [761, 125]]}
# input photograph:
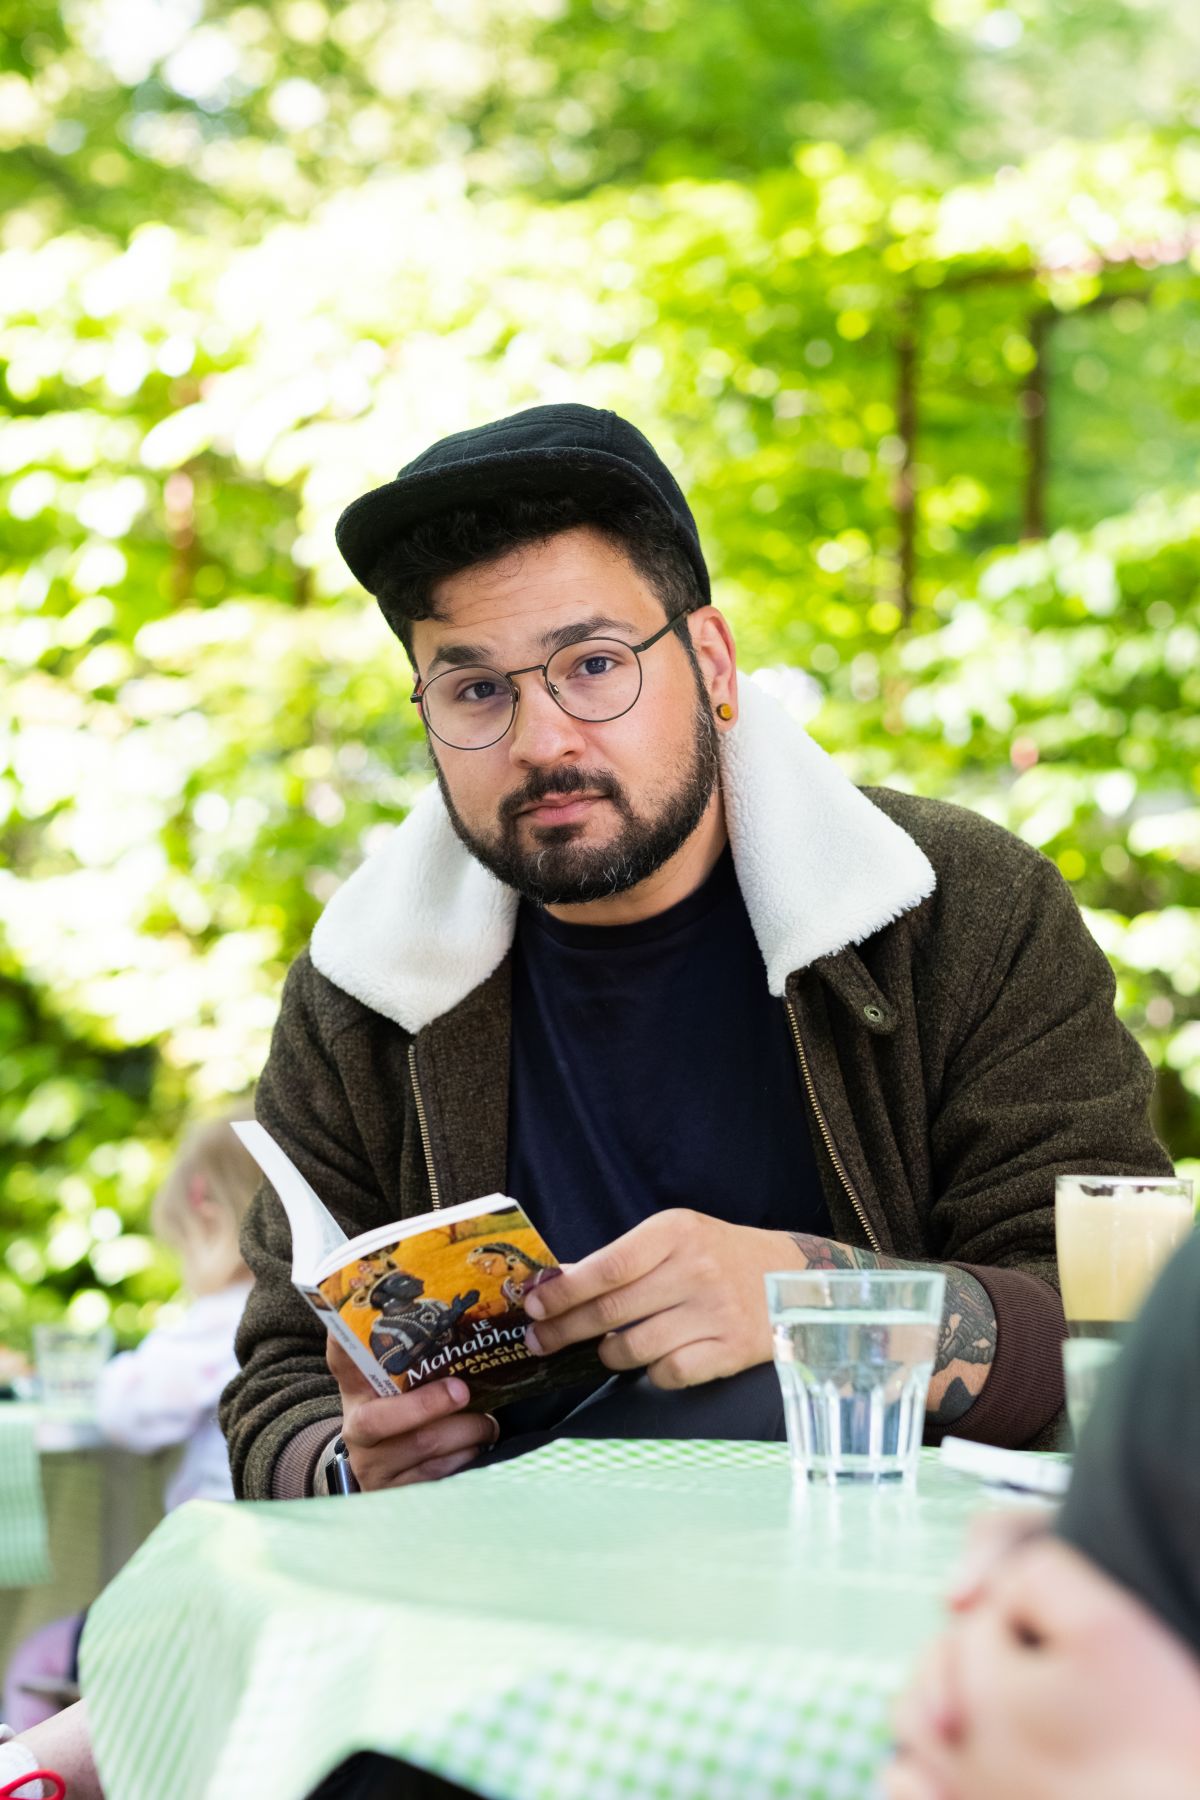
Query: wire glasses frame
{"points": [[420, 692]]}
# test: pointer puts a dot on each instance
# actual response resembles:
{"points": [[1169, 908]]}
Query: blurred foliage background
{"points": [[907, 291]]}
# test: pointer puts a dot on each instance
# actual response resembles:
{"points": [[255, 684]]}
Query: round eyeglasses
{"points": [[595, 679]]}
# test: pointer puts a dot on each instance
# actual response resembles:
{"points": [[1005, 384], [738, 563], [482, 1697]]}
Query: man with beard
{"points": [[647, 961]]}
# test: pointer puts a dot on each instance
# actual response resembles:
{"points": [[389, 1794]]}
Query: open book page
{"points": [[316, 1234]]}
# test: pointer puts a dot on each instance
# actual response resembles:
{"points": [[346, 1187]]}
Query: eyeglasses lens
{"points": [[472, 708], [468, 708]]}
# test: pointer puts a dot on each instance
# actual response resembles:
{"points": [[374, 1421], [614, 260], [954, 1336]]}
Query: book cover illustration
{"points": [[448, 1300], [430, 1297]]}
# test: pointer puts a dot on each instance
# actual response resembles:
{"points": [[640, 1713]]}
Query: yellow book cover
{"points": [[426, 1298]]}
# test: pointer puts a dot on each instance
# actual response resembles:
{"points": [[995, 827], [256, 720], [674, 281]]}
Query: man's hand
{"points": [[421, 1436], [681, 1296], [1054, 1684]]}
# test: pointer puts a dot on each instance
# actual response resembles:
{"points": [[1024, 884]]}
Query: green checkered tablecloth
{"points": [[23, 1554], [597, 1621]]}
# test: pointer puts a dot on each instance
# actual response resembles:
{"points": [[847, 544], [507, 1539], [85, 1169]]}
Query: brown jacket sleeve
{"points": [[284, 1399], [1041, 1079]]}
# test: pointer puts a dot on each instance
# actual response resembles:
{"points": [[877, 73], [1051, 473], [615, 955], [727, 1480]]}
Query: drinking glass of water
{"points": [[854, 1350], [68, 1363]]}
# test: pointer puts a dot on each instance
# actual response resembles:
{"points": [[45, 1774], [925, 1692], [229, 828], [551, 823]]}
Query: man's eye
{"points": [[598, 664], [476, 692]]}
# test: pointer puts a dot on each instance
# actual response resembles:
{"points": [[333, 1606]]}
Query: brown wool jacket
{"points": [[956, 1047]]}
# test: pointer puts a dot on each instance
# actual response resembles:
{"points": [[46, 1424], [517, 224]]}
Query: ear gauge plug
{"points": [[724, 711]]}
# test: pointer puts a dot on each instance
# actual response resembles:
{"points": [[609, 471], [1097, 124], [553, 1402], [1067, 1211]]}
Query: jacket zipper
{"points": [[835, 1159], [423, 1124]]}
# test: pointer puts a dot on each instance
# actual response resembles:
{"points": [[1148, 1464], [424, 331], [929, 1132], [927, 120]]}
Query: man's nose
{"points": [[542, 732]]}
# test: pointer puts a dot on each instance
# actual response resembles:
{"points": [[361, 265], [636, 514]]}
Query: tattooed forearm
{"points": [[968, 1324], [823, 1253], [967, 1343], [965, 1351]]}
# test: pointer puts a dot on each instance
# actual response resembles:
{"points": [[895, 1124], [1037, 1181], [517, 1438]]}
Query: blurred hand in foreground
{"points": [[1052, 1683]]}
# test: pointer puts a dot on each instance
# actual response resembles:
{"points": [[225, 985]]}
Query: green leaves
{"points": [[891, 286]]}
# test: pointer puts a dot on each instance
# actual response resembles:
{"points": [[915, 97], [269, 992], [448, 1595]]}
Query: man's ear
{"points": [[716, 653]]}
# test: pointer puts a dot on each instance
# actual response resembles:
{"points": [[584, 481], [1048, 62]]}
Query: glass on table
{"points": [[854, 1351], [68, 1363], [1114, 1234], [1086, 1361]]}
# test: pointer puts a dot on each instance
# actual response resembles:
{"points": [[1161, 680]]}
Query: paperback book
{"points": [[425, 1298]]}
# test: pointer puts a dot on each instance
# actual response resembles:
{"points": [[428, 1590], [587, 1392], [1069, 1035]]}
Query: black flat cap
{"points": [[548, 449]]}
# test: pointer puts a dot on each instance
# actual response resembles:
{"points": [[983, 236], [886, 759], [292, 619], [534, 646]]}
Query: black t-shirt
{"points": [[651, 1068]]}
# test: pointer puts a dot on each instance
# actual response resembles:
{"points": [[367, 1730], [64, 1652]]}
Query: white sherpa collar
{"points": [[421, 923]]}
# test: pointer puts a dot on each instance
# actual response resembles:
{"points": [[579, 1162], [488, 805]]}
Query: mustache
{"points": [[560, 781]]}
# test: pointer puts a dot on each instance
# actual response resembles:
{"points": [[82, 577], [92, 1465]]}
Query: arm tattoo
{"points": [[968, 1336], [823, 1253]]}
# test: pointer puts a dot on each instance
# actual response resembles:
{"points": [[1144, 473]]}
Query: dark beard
{"points": [[558, 871]]}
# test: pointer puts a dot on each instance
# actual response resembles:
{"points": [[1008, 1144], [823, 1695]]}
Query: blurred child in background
{"points": [[165, 1392]]}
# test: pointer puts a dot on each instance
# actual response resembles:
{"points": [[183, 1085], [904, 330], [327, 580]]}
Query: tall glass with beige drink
{"points": [[1114, 1235]]}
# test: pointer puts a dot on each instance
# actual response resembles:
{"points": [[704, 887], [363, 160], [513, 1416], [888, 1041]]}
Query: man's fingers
{"points": [[644, 1344], [672, 1345], [440, 1467], [345, 1370], [469, 1433], [687, 1365], [626, 1260], [423, 1455], [613, 1310], [375, 1421], [465, 1431]]}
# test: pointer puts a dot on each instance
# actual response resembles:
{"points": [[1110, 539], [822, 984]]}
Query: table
{"points": [[24, 1556], [72, 1511], [596, 1621]]}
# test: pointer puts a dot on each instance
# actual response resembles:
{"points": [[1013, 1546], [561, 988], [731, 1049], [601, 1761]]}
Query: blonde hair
{"points": [[231, 1177]]}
